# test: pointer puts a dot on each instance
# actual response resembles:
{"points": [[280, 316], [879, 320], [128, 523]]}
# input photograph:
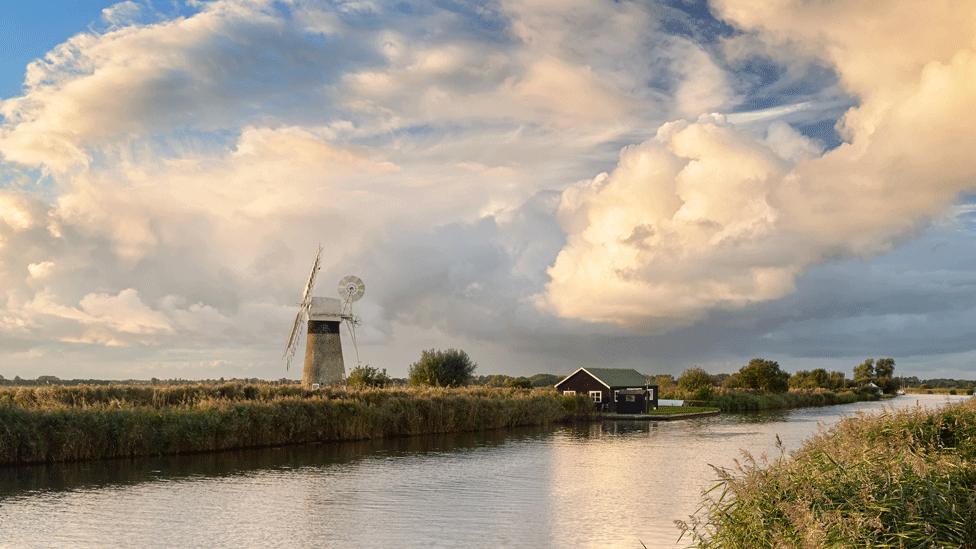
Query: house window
{"points": [[597, 396], [569, 393], [631, 398]]}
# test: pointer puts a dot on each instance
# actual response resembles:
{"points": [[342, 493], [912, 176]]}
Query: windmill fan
{"points": [[351, 290]]}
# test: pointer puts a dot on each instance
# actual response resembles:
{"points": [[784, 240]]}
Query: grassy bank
{"points": [[937, 391], [735, 400], [47, 424], [680, 410], [898, 479]]}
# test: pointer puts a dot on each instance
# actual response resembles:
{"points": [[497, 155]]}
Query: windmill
{"points": [[323, 316]]}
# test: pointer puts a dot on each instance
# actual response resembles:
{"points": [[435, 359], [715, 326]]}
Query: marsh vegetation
{"points": [[55, 423], [895, 479]]}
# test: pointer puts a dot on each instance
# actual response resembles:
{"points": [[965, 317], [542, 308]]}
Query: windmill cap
{"points": [[325, 308]]}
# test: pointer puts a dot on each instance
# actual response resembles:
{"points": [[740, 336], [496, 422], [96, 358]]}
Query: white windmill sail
{"points": [[302, 317]]}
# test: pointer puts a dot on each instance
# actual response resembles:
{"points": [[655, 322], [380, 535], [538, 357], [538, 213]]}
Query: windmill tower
{"points": [[324, 317]]}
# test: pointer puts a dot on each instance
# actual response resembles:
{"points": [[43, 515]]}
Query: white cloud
{"points": [[41, 269], [706, 217], [189, 166], [15, 212]]}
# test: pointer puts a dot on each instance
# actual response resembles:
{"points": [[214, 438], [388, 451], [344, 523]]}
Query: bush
{"points": [[519, 383], [368, 376], [695, 384], [450, 368]]}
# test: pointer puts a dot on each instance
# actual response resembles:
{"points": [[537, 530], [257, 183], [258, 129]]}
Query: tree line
{"points": [[767, 376], [455, 368]]}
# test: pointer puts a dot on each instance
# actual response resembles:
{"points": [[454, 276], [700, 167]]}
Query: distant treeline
{"points": [[764, 376], [454, 368], [41, 381], [937, 383]]}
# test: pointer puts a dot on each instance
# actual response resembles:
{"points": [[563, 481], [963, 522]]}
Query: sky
{"points": [[545, 184]]}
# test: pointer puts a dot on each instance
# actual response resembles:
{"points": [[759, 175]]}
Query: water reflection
{"points": [[607, 484], [120, 472]]}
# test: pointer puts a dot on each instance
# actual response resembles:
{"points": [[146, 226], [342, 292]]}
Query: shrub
{"points": [[368, 376], [450, 368], [696, 384], [519, 383]]}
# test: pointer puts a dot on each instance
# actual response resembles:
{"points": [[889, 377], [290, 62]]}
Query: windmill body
{"points": [[324, 317], [323, 346]]}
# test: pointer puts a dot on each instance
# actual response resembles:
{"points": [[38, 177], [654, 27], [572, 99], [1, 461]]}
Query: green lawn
{"points": [[676, 410]]}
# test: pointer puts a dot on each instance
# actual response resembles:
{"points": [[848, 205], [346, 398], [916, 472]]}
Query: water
{"points": [[610, 484]]}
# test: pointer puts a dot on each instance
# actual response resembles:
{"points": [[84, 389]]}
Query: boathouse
{"points": [[618, 390]]}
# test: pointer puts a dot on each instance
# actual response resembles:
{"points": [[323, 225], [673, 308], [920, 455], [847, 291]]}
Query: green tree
{"points": [[695, 383], [368, 376], [731, 382], [864, 372], [884, 375], [764, 375], [817, 378], [838, 381], [450, 368], [665, 383]]}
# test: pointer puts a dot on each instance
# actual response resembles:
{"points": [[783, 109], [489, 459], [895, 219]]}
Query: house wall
{"points": [[583, 383], [637, 407]]}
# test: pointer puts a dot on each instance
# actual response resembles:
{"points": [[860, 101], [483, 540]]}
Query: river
{"points": [[610, 484]]}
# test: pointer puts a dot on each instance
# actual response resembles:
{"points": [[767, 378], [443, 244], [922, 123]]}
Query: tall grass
{"points": [[47, 424], [897, 479], [740, 400]]}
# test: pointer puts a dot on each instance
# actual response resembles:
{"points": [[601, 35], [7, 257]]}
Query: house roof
{"points": [[614, 377]]}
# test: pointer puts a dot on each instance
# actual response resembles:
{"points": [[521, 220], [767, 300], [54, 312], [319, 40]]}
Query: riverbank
{"points": [[733, 400], [54, 424], [666, 413], [903, 479]]}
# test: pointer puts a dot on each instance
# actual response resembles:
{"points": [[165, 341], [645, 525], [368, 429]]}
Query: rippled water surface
{"points": [[610, 484]]}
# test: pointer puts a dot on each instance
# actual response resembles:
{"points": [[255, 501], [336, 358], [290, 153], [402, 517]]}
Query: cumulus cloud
{"points": [[187, 167], [705, 216]]}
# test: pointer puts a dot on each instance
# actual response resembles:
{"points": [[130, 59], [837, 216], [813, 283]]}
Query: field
{"points": [[896, 479], [49, 424]]}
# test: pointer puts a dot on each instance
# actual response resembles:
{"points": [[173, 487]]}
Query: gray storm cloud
{"points": [[706, 216]]}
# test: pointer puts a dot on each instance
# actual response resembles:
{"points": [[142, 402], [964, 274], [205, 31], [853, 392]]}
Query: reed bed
{"points": [[739, 400], [50, 424], [896, 479]]}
